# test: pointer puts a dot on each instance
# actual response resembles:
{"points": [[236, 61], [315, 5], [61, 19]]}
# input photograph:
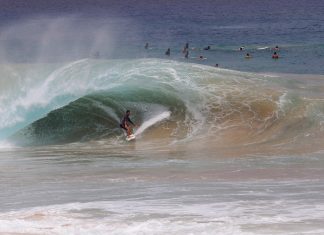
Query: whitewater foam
{"points": [[253, 215]]}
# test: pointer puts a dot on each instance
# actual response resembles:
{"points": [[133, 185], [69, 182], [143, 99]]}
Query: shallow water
{"points": [[130, 191]]}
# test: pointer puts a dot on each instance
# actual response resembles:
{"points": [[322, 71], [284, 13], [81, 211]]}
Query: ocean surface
{"points": [[233, 149]]}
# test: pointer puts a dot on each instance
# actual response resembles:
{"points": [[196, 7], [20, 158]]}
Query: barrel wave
{"points": [[171, 101]]}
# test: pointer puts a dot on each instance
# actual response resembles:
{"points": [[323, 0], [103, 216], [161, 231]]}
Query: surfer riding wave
{"points": [[125, 123]]}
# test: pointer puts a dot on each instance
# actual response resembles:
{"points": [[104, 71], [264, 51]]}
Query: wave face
{"points": [[84, 101]]}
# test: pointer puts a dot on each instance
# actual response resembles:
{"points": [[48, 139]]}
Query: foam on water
{"points": [[258, 212], [132, 189]]}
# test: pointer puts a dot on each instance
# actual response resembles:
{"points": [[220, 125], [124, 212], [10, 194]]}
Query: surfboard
{"points": [[131, 137]]}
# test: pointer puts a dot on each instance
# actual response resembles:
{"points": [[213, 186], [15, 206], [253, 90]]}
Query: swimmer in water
{"points": [[186, 48], [275, 55], [187, 54], [168, 52], [248, 56]]}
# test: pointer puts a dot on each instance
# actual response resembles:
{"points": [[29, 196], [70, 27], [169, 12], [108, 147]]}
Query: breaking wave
{"points": [[84, 101]]}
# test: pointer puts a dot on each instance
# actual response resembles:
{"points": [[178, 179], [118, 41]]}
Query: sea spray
{"points": [[152, 121]]}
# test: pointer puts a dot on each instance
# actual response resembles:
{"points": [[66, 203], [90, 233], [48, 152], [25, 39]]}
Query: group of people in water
{"points": [[185, 51], [275, 54]]}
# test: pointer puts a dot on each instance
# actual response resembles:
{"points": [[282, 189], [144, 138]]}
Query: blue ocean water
{"points": [[295, 26]]}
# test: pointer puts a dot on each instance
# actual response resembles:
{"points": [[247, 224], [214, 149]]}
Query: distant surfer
{"points": [[207, 48], [186, 48], [146, 46], [187, 54], [168, 52], [201, 57], [248, 56], [125, 123]]}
